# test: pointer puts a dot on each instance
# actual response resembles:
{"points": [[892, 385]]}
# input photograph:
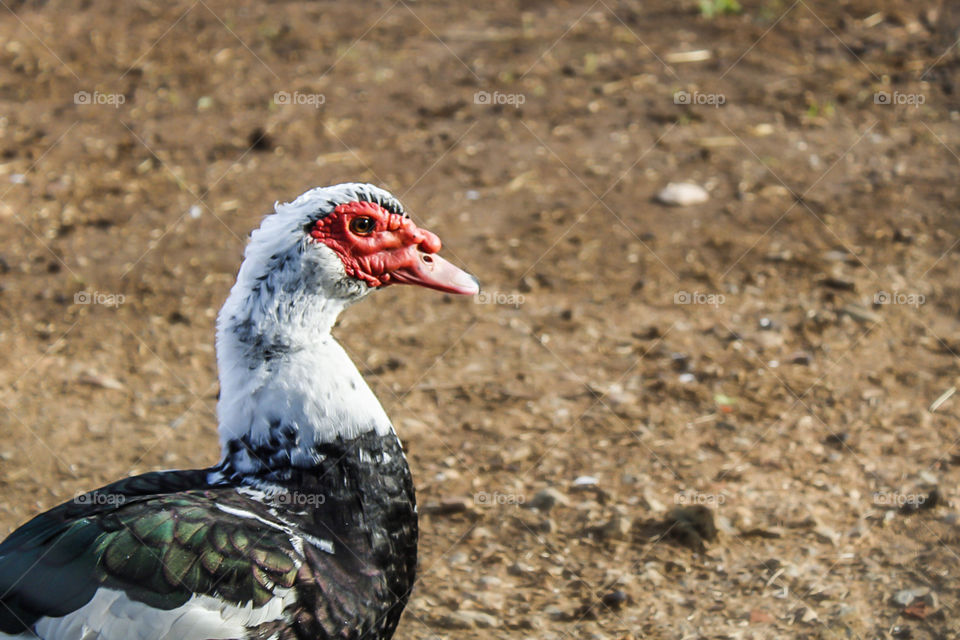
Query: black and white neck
{"points": [[286, 385], [286, 390]]}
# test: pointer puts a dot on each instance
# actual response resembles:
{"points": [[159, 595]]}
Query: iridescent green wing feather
{"points": [[160, 549]]}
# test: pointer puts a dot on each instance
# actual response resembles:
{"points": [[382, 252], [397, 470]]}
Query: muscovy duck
{"points": [[307, 527]]}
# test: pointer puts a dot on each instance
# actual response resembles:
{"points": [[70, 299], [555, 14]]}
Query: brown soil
{"points": [[783, 398]]}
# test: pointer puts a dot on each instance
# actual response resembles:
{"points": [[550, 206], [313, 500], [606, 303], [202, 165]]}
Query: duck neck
{"points": [[287, 387]]}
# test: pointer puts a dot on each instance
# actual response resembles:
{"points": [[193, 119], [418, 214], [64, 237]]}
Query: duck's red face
{"points": [[381, 248]]}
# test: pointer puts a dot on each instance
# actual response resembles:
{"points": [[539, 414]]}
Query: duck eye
{"points": [[363, 225]]}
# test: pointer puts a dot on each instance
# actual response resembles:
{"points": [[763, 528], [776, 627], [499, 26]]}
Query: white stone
{"points": [[682, 194]]}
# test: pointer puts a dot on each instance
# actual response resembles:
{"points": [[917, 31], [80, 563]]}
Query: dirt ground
{"points": [[781, 355]]}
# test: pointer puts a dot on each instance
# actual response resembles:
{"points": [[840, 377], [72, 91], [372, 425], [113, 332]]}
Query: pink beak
{"points": [[431, 271]]}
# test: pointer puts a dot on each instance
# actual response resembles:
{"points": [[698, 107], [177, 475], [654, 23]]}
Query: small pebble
{"points": [[449, 506], [836, 256], [682, 194], [903, 235], [614, 599], [759, 616], [838, 283], [489, 582], [520, 569], [681, 361], [547, 499], [555, 613], [860, 314], [905, 596], [837, 440]]}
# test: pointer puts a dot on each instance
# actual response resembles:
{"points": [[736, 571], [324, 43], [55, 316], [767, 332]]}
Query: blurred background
{"points": [[707, 389]]}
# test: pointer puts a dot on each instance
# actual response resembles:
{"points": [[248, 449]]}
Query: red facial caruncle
{"points": [[380, 248]]}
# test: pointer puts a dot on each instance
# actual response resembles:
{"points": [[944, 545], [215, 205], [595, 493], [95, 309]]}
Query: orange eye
{"points": [[363, 225]]}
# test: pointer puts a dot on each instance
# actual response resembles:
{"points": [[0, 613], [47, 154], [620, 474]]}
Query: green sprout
{"points": [[711, 8]]}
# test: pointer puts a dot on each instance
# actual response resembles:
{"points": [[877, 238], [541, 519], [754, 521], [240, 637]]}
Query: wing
{"points": [[156, 545]]}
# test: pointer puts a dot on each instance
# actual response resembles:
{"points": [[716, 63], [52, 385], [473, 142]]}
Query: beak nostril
{"points": [[426, 257]]}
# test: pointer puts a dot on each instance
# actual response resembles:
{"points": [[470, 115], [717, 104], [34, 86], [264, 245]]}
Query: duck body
{"points": [[307, 527], [324, 552]]}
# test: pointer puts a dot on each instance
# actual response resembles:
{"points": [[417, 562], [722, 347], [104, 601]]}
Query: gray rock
{"points": [[905, 596], [860, 314], [555, 613], [547, 499]]}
